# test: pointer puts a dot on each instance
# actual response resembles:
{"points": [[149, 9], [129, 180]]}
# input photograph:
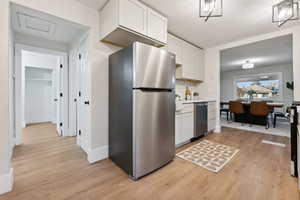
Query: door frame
{"points": [[19, 75]]}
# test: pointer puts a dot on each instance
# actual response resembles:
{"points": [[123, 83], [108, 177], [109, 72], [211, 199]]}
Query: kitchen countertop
{"points": [[195, 101]]}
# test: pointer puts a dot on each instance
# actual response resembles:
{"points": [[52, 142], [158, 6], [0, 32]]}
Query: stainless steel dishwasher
{"points": [[200, 122]]}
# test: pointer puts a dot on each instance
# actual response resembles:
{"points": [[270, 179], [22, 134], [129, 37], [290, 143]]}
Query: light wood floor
{"points": [[49, 167]]}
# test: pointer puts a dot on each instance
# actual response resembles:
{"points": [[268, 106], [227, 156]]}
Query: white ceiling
{"points": [[270, 52], [32, 22], [242, 18]]}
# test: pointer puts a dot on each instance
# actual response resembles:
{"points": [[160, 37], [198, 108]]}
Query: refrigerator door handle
{"points": [[154, 89]]}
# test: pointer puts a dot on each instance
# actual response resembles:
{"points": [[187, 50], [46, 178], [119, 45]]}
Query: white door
{"points": [[157, 26], [83, 105], [133, 15]]}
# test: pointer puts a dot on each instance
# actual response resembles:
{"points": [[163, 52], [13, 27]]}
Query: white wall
{"points": [[5, 147], [181, 87], [25, 39], [228, 77], [39, 60], [39, 103]]}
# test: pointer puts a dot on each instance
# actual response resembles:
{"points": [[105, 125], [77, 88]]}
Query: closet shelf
{"points": [[35, 79]]}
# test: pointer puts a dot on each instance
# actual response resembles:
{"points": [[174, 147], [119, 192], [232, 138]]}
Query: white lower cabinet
{"points": [[211, 116], [184, 130]]}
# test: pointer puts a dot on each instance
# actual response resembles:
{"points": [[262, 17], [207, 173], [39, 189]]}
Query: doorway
{"points": [[259, 73], [50, 77]]}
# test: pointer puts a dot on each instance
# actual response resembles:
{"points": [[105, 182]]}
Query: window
{"points": [[259, 87]]}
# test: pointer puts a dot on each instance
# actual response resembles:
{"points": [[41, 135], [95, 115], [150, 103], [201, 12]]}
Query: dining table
{"points": [[258, 120]]}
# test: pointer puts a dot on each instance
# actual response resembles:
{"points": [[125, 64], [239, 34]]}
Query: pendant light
{"points": [[211, 8], [285, 11]]}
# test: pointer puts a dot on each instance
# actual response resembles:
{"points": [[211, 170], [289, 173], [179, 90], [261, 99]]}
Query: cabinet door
{"points": [[211, 116], [174, 46], [133, 15], [178, 129], [187, 61], [199, 65], [157, 26], [187, 126]]}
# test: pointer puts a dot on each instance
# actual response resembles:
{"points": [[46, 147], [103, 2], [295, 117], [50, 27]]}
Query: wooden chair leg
{"points": [[274, 122], [267, 122], [251, 120], [227, 117]]}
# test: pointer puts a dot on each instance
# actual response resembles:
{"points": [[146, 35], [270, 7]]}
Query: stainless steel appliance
{"points": [[141, 109], [200, 118], [294, 118]]}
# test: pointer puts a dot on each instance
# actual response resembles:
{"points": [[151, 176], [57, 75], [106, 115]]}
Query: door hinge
{"points": [[60, 124], [79, 56], [79, 132], [61, 94], [79, 93], [61, 66]]}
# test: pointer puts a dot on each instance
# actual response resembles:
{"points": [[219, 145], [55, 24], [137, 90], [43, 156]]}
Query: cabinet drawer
{"points": [[188, 108]]}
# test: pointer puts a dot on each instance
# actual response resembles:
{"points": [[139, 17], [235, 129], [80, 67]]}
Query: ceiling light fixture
{"points": [[248, 65], [285, 11], [211, 8]]}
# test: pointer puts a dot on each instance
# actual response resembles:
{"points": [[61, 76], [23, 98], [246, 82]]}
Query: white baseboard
{"points": [[97, 154], [218, 129], [6, 182], [17, 141]]}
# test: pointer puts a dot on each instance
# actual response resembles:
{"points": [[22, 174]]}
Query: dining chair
{"points": [[260, 108], [237, 108], [285, 115], [225, 110]]}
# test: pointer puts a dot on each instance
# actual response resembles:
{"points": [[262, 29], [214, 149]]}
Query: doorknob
{"points": [[55, 99], [87, 103]]}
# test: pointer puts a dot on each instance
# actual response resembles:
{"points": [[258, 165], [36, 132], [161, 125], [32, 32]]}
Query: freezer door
{"points": [[153, 130], [153, 67]]}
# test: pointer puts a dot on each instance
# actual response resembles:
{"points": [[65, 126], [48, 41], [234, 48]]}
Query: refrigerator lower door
{"points": [[153, 130]]}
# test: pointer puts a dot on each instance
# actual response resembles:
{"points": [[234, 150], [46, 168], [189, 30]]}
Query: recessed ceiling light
{"points": [[248, 65], [264, 77]]}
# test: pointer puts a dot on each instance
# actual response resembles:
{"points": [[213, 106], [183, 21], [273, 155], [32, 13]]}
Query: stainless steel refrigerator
{"points": [[141, 109]]}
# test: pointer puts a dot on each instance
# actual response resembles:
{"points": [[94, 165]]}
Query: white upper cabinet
{"points": [[200, 70], [133, 15], [188, 61], [191, 60], [123, 22], [175, 46], [157, 26]]}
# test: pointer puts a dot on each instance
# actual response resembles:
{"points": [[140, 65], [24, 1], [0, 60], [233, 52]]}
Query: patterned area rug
{"points": [[209, 155]]}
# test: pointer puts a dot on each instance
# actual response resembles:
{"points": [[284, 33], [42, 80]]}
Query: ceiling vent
{"points": [[35, 25]]}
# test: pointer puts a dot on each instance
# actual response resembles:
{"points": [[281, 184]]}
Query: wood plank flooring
{"points": [[48, 167]]}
